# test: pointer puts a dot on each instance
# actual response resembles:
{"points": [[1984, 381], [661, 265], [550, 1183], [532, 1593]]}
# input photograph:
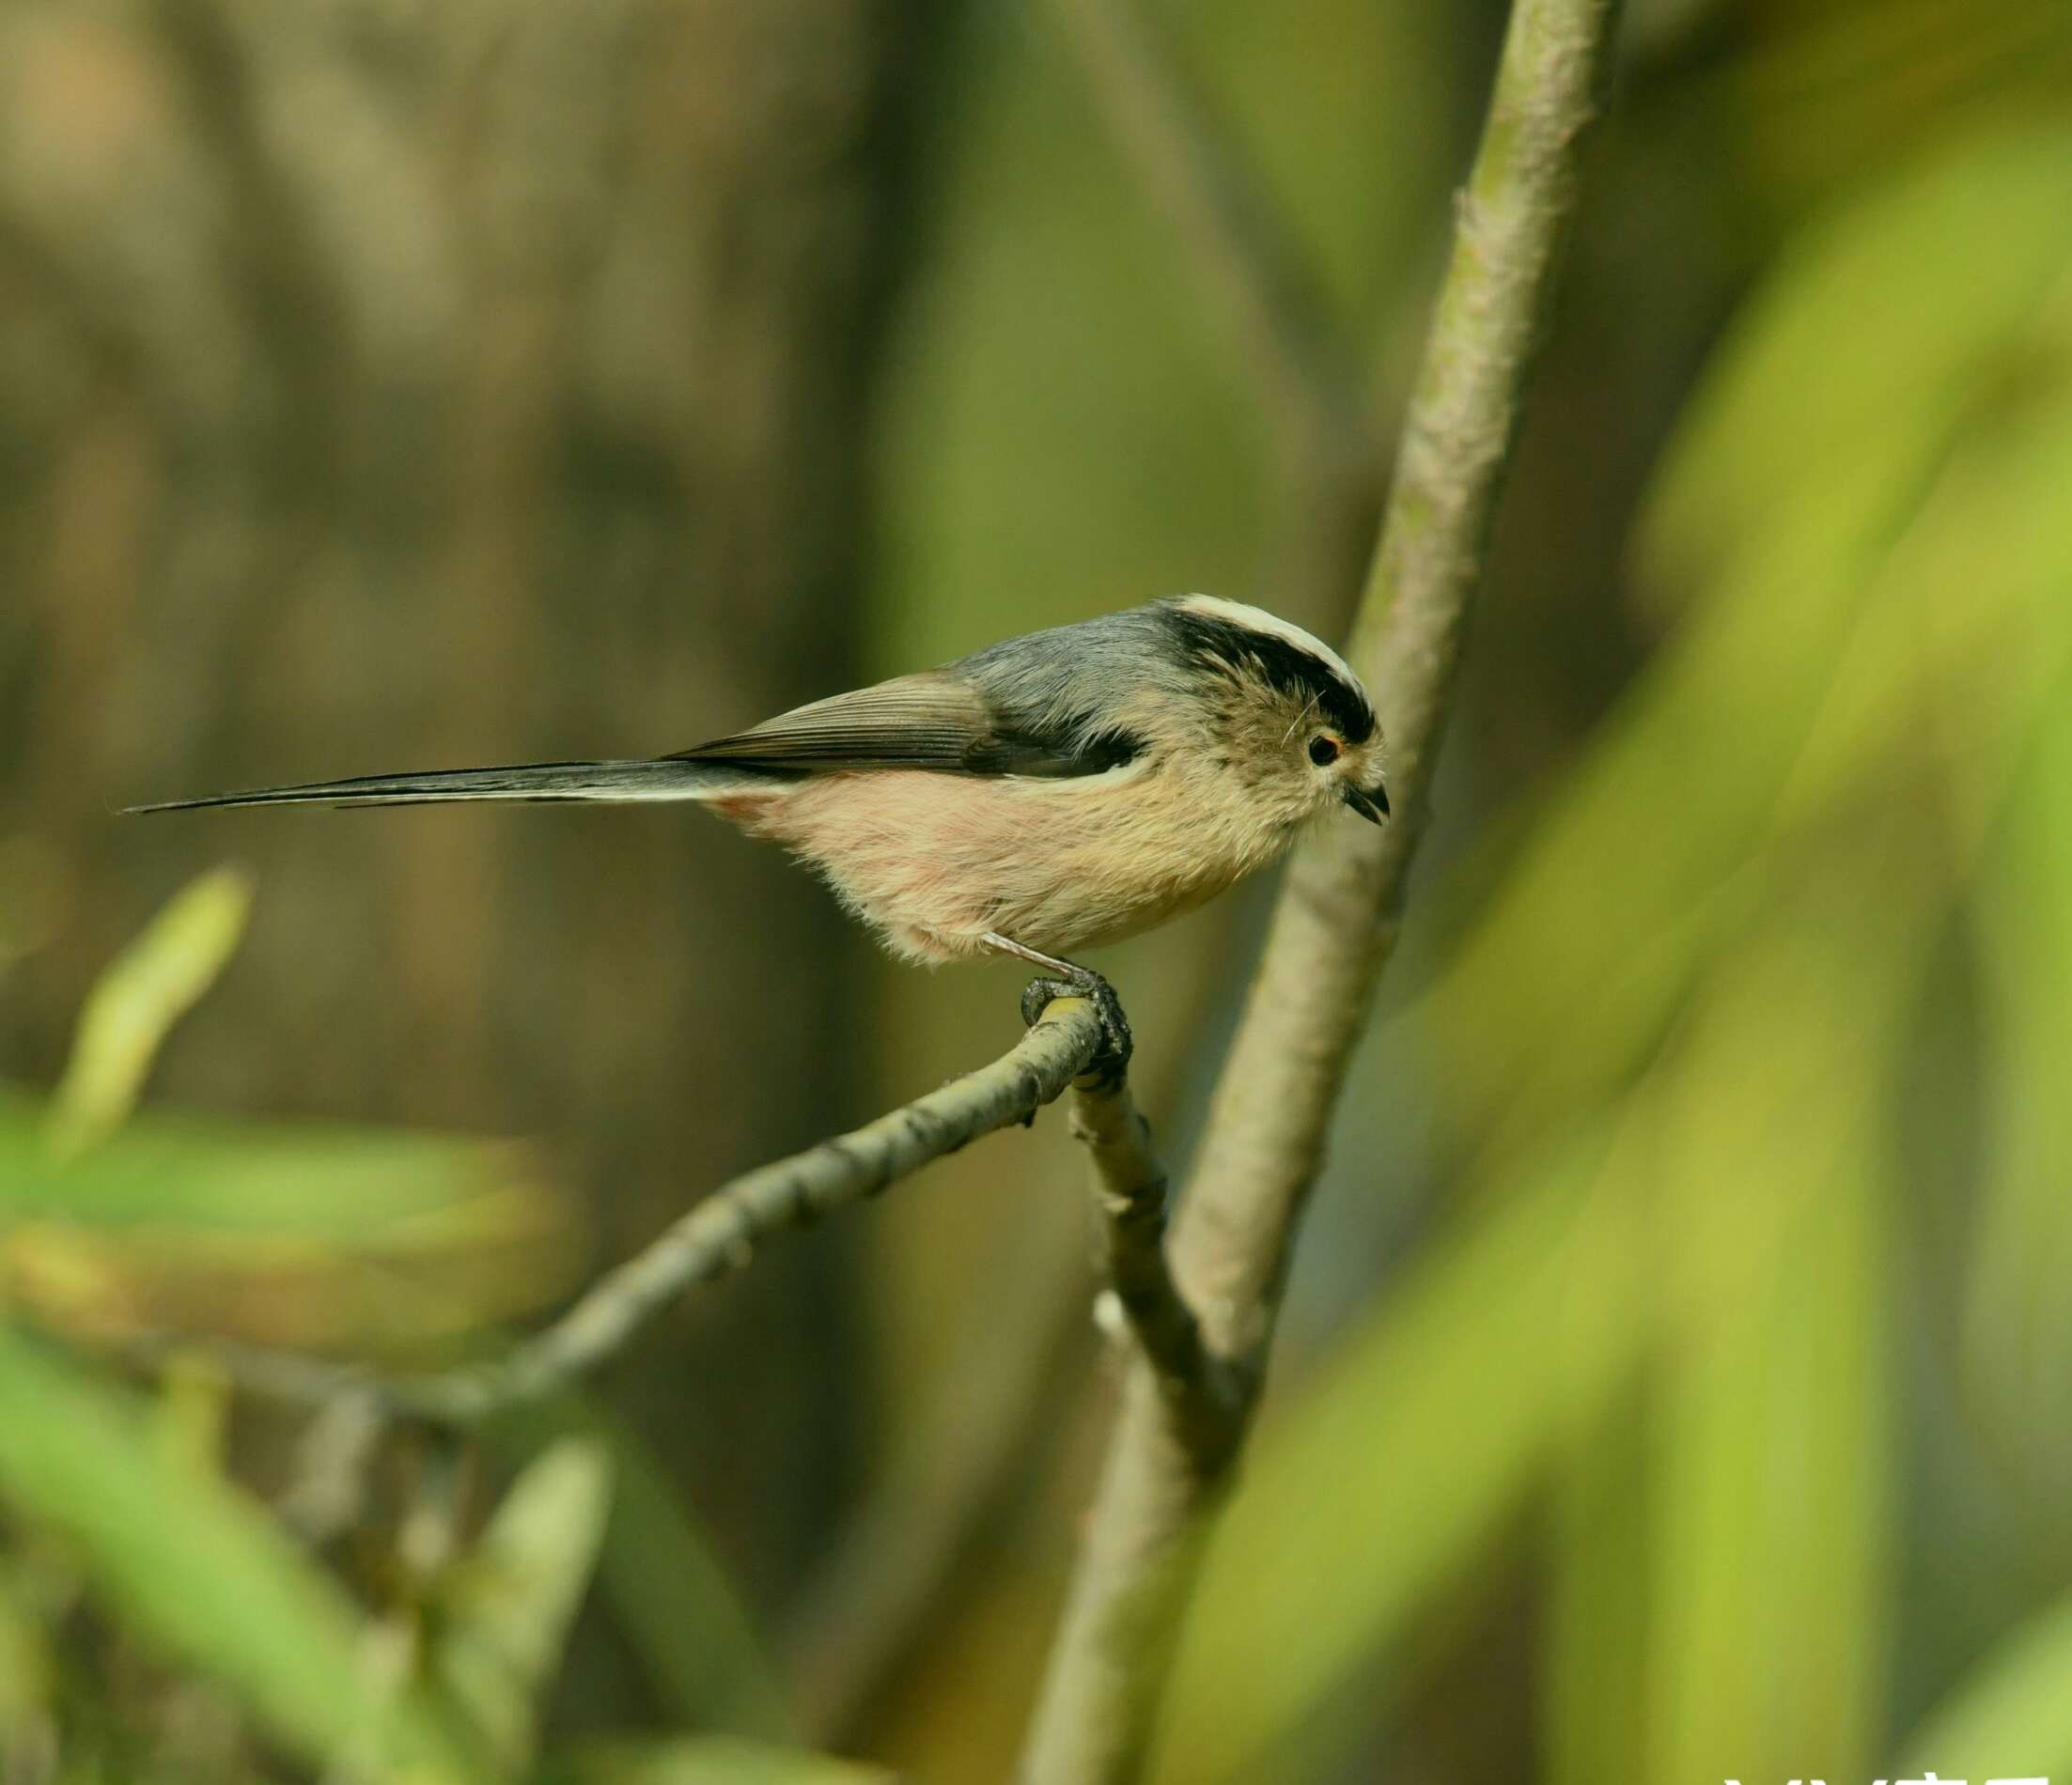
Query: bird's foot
{"points": [[1069, 979], [1116, 1044]]}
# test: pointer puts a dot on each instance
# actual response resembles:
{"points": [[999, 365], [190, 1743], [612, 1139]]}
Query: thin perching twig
{"points": [[1336, 921], [1130, 1187], [894, 1581], [714, 1239]]}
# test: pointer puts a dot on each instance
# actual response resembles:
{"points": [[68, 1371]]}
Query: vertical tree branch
{"points": [[1339, 911]]}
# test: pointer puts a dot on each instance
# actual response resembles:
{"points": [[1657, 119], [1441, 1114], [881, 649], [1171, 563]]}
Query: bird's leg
{"points": [[1067, 979]]}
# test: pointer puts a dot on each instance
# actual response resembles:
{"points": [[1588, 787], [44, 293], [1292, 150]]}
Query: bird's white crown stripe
{"points": [[1259, 620]]}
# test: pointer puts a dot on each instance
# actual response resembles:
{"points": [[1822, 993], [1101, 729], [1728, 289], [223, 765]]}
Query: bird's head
{"points": [[1282, 709]]}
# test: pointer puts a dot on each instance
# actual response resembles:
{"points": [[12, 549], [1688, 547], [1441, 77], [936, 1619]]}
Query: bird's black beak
{"points": [[1371, 804]]}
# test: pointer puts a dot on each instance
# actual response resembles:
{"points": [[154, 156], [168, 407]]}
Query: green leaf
{"points": [[505, 1610], [1772, 1567], [1852, 461], [1593, 1701], [1772, 1554], [1932, 688], [299, 1234], [2017, 1331], [134, 1004], [1402, 1462], [2012, 1717], [28, 1670], [706, 1761], [193, 1564], [680, 1612], [1825, 369], [681, 1608]]}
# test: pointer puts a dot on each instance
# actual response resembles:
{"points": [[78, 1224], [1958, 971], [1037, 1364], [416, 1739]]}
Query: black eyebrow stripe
{"points": [[1285, 666]]}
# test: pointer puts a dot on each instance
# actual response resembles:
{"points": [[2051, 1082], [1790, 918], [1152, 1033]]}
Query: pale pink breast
{"points": [[935, 861]]}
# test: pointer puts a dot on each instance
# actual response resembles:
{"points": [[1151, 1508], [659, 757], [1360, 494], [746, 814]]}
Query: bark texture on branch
{"points": [[1339, 911], [1130, 1189], [719, 1235]]}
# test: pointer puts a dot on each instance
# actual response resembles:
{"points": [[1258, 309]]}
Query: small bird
{"points": [[1048, 793]]}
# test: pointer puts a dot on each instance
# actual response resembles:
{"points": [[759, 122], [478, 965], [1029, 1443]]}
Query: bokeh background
{"points": [[1676, 1375]]}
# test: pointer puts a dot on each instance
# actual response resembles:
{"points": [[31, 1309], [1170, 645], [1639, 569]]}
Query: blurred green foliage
{"points": [[122, 1231], [1677, 1076], [299, 1234], [202, 1572]]}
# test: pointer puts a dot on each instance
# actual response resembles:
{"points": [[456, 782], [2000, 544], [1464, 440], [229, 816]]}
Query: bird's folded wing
{"points": [[934, 721]]}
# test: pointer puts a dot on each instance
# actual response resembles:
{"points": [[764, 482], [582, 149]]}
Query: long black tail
{"points": [[582, 780]]}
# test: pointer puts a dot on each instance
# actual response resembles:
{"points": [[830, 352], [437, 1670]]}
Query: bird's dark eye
{"points": [[1323, 751]]}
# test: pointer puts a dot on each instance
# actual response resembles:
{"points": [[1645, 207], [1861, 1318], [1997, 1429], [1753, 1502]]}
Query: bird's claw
{"points": [[1112, 1060]]}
